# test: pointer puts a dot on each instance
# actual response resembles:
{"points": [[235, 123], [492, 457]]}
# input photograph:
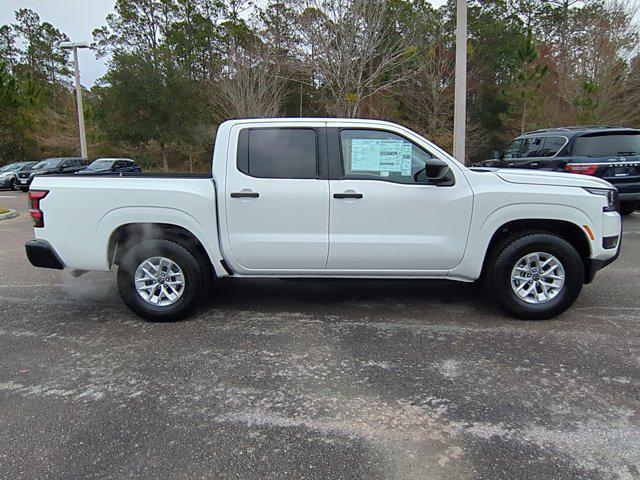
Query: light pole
{"points": [[75, 46], [460, 108]]}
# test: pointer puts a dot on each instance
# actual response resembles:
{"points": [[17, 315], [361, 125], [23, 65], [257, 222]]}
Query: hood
{"points": [[43, 171], [540, 177]]}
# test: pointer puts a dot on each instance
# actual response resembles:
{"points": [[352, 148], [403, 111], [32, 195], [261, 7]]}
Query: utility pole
{"points": [[460, 108], [83, 138]]}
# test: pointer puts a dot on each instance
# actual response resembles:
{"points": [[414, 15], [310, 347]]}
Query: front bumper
{"points": [[23, 182], [42, 255], [612, 229], [596, 265]]}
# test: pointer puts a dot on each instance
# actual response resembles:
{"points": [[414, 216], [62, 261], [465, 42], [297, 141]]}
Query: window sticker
{"points": [[375, 155]]}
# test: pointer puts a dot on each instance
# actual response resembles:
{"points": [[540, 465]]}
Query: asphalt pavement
{"points": [[333, 380]]}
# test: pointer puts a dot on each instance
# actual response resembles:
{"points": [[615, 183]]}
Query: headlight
{"points": [[610, 195]]}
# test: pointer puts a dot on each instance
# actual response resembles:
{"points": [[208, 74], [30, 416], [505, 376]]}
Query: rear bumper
{"points": [[627, 192], [629, 197], [42, 255]]}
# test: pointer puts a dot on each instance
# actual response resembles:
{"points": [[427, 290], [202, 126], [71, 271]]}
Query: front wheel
{"points": [[536, 276], [12, 185], [160, 280], [628, 208]]}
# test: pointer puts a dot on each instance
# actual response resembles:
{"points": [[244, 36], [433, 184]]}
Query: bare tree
{"points": [[251, 87], [352, 50]]}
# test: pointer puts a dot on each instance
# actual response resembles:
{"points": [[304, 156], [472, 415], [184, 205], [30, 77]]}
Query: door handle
{"points": [[245, 195], [347, 195]]}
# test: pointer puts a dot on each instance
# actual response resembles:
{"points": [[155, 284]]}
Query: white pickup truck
{"points": [[296, 198]]}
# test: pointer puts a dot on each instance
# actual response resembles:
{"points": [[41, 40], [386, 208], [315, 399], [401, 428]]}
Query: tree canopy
{"points": [[177, 68]]}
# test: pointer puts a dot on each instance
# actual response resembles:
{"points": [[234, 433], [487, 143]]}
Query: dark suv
{"points": [[60, 165], [611, 153]]}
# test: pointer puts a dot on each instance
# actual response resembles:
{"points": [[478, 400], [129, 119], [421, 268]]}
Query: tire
{"points": [[503, 265], [190, 293], [628, 208], [12, 185]]}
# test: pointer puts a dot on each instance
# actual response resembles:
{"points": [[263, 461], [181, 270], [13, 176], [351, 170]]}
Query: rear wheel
{"points": [[160, 280], [536, 276], [627, 208]]}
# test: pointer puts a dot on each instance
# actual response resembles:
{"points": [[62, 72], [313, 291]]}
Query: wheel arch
{"points": [[569, 231], [133, 233], [124, 224]]}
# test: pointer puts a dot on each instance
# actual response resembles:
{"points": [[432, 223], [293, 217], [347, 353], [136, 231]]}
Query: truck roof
{"points": [[306, 120]]}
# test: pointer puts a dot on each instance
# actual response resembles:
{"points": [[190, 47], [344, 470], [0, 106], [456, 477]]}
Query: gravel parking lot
{"points": [[277, 379]]}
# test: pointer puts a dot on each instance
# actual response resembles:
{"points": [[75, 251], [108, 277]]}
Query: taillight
{"points": [[582, 169], [34, 207]]}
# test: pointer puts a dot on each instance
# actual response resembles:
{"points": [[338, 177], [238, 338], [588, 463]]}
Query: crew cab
{"points": [[329, 198]]}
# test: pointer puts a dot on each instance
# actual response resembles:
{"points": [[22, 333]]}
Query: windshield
{"points": [[621, 144], [50, 163], [100, 165], [12, 167]]}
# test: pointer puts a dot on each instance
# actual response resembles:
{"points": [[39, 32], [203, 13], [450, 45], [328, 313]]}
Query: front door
{"points": [[385, 216], [277, 205]]}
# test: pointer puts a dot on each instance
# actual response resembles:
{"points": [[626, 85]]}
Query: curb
{"points": [[7, 216]]}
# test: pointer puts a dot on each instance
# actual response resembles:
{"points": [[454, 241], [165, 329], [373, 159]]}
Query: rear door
{"points": [[385, 215], [277, 197]]}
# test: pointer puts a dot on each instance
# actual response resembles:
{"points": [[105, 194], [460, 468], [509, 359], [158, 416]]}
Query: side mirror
{"points": [[438, 172], [495, 155]]}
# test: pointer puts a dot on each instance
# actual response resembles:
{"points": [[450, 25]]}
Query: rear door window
{"points": [[551, 146], [615, 145], [530, 147], [278, 153]]}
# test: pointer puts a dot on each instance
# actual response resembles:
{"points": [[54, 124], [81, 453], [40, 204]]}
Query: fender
{"points": [[118, 217], [482, 231]]}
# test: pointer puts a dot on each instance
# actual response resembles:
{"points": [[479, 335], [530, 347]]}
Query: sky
{"points": [[76, 18]]}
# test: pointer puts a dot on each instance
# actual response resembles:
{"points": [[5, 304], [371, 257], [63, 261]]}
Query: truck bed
{"points": [[140, 175]]}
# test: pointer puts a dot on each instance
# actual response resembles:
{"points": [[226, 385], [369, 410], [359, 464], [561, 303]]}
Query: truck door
{"points": [[277, 198], [385, 215]]}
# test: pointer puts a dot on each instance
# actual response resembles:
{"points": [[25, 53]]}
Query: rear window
{"points": [[278, 153], [620, 144]]}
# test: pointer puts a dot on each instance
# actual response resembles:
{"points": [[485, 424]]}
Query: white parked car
{"points": [[291, 198]]}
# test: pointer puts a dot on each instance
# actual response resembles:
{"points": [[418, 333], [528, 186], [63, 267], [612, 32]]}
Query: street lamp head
{"points": [[75, 45]]}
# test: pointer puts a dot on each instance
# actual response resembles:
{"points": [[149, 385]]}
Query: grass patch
{"points": [[3, 210]]}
